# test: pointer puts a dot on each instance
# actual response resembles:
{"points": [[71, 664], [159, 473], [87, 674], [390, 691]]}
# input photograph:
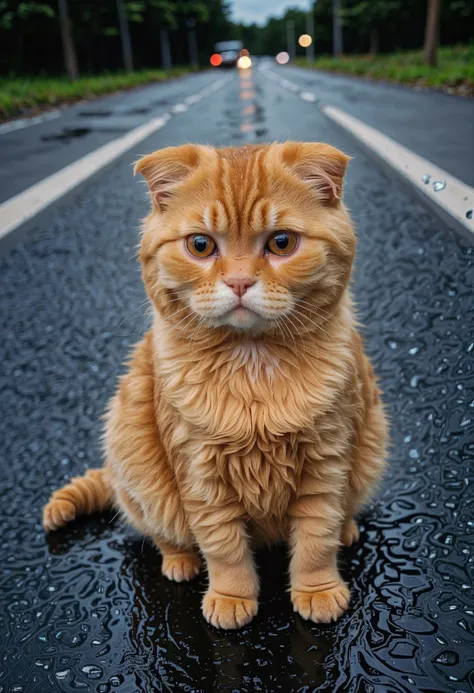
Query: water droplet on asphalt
{"points": [[439, 185], [426, 178], [447, 657], [92, 671], [62, 674]]}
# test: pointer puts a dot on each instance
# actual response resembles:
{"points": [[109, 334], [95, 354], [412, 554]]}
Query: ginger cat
{"points": [[249, 412]]}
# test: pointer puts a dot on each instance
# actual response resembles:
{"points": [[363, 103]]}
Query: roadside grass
{"points": [[454, 73], [19, 95]]}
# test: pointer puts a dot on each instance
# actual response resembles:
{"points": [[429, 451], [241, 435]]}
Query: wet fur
{"points": [[221, 437]]}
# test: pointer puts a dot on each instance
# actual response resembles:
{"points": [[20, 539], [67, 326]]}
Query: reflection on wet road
{"points": [[87, 608]]}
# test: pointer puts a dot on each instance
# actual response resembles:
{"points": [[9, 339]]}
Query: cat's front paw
{"points": [[181, 567], [322, 606], [228, 612]]}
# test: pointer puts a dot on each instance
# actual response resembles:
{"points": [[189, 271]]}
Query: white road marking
{"points": [[289, 85], [307, 96], [26, 122], [27, 204], [192, 99], [455, 198], [22, 207], [447, 194], [179, 108]]}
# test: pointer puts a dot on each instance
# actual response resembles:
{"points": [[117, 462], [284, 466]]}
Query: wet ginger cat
{"points": [[249, 412]]}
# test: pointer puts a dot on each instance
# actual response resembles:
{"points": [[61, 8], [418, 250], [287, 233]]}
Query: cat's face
{"points": [[254, 239]]}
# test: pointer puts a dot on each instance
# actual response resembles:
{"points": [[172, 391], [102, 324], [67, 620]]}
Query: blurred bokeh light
{"points": [[282, 58], [305, 40], [215, 60], [244, 62]]}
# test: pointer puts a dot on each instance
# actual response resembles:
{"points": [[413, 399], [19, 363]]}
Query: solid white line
{"points": [[22, 207], [179, 108], [26, 122], [440, 187]]}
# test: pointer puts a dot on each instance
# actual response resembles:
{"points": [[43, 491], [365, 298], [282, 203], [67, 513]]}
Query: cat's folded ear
{"points": [[166, 169], [320, 165]]}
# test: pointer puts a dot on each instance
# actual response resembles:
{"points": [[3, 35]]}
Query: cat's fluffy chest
{"points": [[235, 395], [247, 411]]}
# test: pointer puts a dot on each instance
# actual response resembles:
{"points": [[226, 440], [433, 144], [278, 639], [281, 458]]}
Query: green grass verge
{"points": [[21, 94], [454, 73]]}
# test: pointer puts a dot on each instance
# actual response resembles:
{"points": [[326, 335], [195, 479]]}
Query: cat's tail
{"points": [[84, 495]]}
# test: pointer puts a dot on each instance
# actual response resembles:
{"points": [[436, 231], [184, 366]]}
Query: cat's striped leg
{"points": [[84, 495], [368, 459], [231, 599], [179, 564], [318, 591]]}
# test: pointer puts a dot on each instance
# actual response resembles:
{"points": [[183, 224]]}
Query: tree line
{"points": [[368, 26], [91, 36], [36, 37]]}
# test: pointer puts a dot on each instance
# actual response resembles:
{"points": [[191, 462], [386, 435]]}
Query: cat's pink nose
{"points": [[239, 286]]}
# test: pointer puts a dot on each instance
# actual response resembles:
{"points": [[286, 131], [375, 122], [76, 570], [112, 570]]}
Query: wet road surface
{"points": [[30, 154], [87, 608], [434, 125]]}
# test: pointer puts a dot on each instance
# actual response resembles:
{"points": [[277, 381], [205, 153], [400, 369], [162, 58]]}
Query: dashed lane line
{"points": [[21, 123], [308, 96]]}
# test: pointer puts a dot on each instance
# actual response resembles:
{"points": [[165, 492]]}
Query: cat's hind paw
{"points": [[181, 567], [227, 612], [322, 606]]}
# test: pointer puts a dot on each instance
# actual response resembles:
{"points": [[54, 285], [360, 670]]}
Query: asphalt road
{"points": [[87, 608], [437, 126]]}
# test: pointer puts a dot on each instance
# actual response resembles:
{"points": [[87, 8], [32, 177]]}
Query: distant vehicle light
{"points": [[282, 58], [244, 62], [305, 40], [215, 60], [244, 52]]}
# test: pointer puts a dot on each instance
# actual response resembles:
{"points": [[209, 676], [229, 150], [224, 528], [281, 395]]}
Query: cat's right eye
{"points": [[200, 245]]}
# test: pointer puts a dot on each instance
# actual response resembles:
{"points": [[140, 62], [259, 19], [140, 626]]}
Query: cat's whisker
{"points": [[313, 308], [132, 312], [196, 331], [141, 332], [317, 325], [193, 316], [296, 330], [285, 326], [180, 310], [116, 515], [190, 314]]}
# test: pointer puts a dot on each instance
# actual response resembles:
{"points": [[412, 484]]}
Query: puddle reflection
{"points": [[252, 114]]}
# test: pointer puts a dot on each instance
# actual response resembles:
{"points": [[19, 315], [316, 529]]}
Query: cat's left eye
{"points": [[282, 243], [200, 245]]}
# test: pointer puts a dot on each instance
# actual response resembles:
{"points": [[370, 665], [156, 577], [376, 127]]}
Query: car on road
{"points": [[229, 52]]}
